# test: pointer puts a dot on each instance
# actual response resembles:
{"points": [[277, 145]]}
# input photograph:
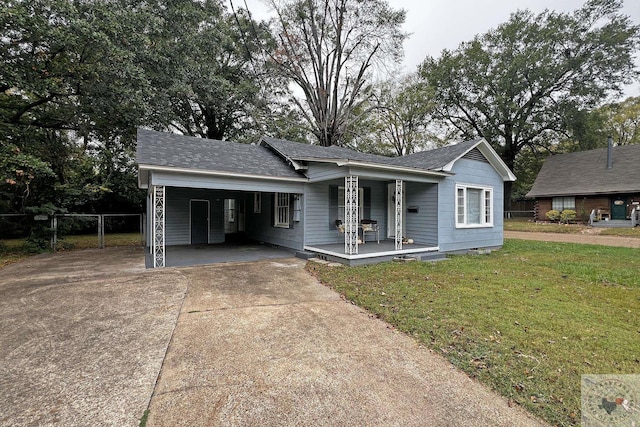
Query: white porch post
{"points": [[157, 250], [398, 221], [351, 214]]}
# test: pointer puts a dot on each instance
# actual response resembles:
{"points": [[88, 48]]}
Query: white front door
{"points": [[391, 210]]}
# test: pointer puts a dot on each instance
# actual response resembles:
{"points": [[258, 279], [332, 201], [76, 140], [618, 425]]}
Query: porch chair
{"points": [[370, 226]]}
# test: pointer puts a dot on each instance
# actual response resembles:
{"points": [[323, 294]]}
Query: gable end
{"points": [[475, 154]]}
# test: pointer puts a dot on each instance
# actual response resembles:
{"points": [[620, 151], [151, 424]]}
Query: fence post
{"points": [[54, 238], [142, 229], [101, 231]]}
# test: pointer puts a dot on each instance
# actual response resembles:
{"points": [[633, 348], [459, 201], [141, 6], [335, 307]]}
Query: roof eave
{"points": [[143, 167], [355, 163]]}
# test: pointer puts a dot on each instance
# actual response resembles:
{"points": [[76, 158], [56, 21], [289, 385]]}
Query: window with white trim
{"points": [[474, 206], [341, 203], [562, 203], [281, 210], [257, 202]]}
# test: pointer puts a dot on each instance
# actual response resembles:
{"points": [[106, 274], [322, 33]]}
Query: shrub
{"points": [[568, 215], [553, 215]]}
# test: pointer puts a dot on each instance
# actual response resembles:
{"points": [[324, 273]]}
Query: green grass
{"points": [[527, 320], [14, 250], [111, 240], [519, 224]]}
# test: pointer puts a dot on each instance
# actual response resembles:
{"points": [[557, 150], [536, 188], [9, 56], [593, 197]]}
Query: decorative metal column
{"points": [[351, 215], [158, 226], [399, 202]]}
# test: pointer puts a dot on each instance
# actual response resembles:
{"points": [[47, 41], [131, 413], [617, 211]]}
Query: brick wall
{"points": [[584, 206]]}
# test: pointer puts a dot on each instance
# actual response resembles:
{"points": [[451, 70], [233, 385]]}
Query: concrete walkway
{"points": [[264, 344]]}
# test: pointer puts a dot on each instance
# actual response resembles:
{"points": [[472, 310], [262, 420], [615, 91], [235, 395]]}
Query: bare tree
{"points": [[329, 49]]}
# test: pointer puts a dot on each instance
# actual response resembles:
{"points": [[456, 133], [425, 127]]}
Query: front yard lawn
{"points": [[527, 320]]}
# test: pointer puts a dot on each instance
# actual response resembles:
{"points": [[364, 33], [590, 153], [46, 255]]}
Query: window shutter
{"points": [[333, 206], [366, 207]]}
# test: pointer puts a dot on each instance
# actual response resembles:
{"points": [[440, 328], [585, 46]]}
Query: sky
{"points": [[435, 25]]}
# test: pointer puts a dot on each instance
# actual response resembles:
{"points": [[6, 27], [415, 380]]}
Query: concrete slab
{"points": [[183, 256], [265, 344], [83, 336]]}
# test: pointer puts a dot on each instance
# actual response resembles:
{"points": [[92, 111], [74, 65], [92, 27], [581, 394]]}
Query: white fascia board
{"points": [[355, 163], [491, 155], [143, 179], [219, 173]]}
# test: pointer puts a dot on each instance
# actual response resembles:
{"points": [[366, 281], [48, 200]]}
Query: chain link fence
{"points": [[54, 229]]}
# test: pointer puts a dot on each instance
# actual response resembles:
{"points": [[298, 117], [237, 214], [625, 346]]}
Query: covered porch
{"points": [[404, 213]]}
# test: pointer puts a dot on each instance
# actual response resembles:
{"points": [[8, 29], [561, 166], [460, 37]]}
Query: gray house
{"points": [[333, 202]]}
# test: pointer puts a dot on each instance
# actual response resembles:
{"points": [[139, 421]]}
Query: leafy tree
{"points": [[622, 121], [72, 82], [329, 49], [517, 85], [397, 119], [209, 68], [68, 65], [21, 178]]}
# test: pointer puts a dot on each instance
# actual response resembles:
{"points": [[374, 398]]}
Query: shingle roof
{"points": [[299, 150], [437, 158], [179, 151], [167, 149], [430, 160], [585, 173]]}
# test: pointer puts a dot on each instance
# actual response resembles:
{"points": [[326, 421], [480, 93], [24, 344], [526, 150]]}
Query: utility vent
{"points": [[475, 154]]}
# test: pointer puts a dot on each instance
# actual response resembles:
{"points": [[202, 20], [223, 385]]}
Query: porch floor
{"points": [[374, 252]]}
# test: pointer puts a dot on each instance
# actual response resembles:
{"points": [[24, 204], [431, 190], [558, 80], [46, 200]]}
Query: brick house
{"points": [[604, 180]]}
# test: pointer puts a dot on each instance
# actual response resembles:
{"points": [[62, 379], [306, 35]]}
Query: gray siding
{"points": [[455, 239], [259, 226], [316, 213], [422, 226], [177, 214]]}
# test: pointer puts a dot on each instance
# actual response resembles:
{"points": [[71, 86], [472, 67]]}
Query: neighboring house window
{"points": [[257, 202], [341, 203], [474, 206], [562, 203], [281, 210]]}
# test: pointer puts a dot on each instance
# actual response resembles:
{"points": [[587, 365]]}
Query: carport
{"points": [[200, 192]]}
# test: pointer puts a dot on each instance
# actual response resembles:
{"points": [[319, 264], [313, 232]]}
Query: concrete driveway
{"points": [[264, 344], [82, 337], [85, 334]]}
